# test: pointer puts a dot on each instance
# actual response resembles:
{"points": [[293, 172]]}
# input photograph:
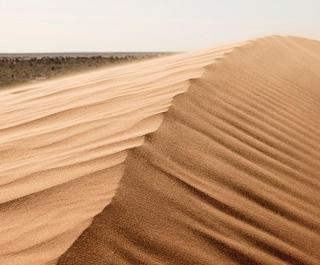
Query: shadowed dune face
{"points": [[232, 176], [63, 144]]}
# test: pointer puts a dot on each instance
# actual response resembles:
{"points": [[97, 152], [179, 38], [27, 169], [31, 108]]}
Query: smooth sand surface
{"points": [[229, 175]]}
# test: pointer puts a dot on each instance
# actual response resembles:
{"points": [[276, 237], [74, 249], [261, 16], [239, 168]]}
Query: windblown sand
{"points": [[230, 174]]}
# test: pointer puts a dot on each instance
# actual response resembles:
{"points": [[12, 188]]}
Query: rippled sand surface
{"points": [[229, 172]]}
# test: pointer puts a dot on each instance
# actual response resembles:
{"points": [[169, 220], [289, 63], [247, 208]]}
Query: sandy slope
{"points": [[63, 144], [232, 176]]}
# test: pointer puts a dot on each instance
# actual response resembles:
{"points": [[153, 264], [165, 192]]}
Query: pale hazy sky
{"points": [[149, 25]]}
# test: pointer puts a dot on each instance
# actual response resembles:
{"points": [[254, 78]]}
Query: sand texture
{"points": [[229, 172]]}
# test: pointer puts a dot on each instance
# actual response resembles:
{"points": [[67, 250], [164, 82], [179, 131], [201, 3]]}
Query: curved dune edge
{"points": [[232, 176], [64, 142]]}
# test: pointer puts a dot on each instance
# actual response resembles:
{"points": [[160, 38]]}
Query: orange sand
{"points": [[229, 176]]}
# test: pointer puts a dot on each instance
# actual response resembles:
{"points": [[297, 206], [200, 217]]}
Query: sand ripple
{"points": [[232, 176], [64, 142]]}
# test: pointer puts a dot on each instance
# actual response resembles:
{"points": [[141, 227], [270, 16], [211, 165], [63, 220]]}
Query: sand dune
{"points": [[230, 175], [63, 144]]}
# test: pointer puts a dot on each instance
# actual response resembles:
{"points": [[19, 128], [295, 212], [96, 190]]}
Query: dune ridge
{"points": [[231, 176], [64, 142]]}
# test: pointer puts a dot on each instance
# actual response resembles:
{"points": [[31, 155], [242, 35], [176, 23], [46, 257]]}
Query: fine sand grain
{"points": [[229, 175]]}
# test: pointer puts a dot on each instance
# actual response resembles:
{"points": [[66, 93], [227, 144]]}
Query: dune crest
{"points": [[232, 175], [64, 142]]}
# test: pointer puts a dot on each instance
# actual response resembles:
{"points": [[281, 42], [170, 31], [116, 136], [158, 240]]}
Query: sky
{"points": [[149, 25]]}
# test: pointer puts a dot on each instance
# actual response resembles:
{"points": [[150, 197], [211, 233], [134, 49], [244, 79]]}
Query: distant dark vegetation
{"points": [[15, 69]]}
